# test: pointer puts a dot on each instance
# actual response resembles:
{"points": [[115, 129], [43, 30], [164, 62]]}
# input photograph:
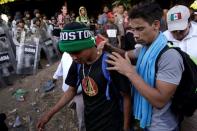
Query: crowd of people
{"points": [[119, 66]]}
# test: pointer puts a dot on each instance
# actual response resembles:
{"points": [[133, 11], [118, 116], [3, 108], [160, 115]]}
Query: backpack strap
{"points": [[182, 101], [79, 90], [170, 45], [106, 74], [158, 57]]}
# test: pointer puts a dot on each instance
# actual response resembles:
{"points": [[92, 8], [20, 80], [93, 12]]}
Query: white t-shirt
{"points": [[63, 69], [189, 43]]}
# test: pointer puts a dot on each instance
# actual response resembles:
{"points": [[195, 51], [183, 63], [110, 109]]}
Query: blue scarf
{"points": [[146, 69]]}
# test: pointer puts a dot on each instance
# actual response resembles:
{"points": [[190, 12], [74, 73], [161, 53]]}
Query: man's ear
{"points": [[156, 25]]}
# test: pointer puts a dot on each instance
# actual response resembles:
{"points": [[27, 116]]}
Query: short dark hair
{"points": [[35, 20], [148, 11], [36, 11], [74, 25], [121, 4], [19, 21]]}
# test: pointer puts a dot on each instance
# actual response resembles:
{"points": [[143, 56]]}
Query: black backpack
{"points": [[184, 101]]}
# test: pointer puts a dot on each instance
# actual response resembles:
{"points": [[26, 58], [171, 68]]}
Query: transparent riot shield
{"points": [[6, 38], [6, 66], [50, 50], [27, 58], [7, 59], [5, 32], [55, 44]]}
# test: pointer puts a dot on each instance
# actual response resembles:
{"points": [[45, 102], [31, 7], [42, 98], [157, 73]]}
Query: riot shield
{"points": [[27, 58], [7, 59], [50, 50], [5, 37], [55, 44], [6, 67], [5, 32]]}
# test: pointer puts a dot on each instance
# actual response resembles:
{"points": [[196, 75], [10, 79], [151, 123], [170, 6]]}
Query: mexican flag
{"points": [[175, 16]]}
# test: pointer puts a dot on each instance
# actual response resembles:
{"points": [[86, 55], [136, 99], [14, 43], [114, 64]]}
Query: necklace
{"points": [[87, 82], [84, 75]]}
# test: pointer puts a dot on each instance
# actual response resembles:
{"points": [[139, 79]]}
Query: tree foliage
{"points": [[125, 3], [6, 1]]}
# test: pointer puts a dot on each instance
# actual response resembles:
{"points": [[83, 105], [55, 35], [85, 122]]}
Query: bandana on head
{"points": [[74, 40]]}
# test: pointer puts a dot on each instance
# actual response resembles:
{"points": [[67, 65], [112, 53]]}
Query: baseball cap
{"points": [[110, 15], [177, 18]]}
